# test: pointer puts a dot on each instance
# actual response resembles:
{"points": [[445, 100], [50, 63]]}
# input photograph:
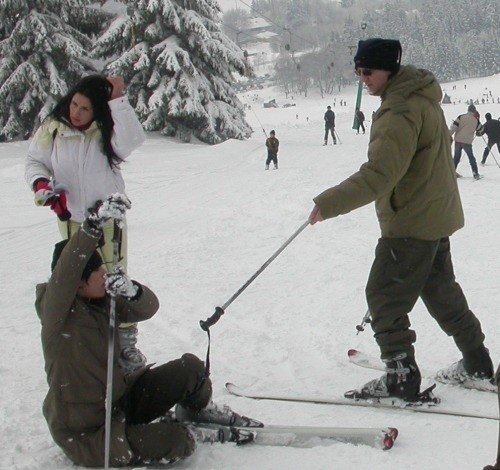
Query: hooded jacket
{"points": [[76, 159], [75, 334], [409, 173], [464, 128], [272, 144]]}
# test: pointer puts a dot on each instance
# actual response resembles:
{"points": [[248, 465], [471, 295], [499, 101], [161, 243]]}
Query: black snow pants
{"points": [[153, 394], [405, 269]]}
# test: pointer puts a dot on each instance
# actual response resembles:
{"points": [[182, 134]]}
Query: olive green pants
{"points": [[70, 227], [405, 269]]}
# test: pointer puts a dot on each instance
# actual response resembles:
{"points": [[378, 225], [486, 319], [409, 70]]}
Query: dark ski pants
{"points": [[330, 130], [405, 269], [272, 157], [467, 148], [153, 394], [489, 146]]}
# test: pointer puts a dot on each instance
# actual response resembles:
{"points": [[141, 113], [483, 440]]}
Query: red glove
{"points": [[60, 207], [44, 193], [49, 193]]}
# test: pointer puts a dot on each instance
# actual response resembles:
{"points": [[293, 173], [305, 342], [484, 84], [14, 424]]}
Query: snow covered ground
{"points": [[204, 219]]}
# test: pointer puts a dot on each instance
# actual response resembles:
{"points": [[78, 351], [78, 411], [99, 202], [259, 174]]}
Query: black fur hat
{"points": [[93, 264], [379, 54]]}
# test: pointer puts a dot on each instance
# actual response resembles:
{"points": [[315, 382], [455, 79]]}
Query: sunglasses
{"points": [[364, 72]]}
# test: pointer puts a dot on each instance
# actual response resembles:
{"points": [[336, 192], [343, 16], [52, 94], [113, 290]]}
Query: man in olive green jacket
{"points": [[411, 177], [73, 307]]}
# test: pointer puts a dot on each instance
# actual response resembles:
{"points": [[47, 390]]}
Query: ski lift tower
{"points": [[355, 123]]}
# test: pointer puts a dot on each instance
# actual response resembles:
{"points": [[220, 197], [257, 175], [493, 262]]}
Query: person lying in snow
{"points": [[74, 308]]}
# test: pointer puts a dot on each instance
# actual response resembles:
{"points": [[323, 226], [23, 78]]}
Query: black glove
{"points": [[117, 283], [114, 207]]}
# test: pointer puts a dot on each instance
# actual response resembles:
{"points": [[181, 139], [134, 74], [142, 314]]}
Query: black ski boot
{"points": [[474, 371], [478, 363], [402, 380]]}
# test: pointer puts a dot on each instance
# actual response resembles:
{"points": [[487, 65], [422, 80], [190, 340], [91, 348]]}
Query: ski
{"points": [[311, 436], [385, 403], [474, 179], [371, 362]]}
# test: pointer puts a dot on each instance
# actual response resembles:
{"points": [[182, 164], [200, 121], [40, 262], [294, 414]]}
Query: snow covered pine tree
{"points": [[44, 48], [178, 65]]}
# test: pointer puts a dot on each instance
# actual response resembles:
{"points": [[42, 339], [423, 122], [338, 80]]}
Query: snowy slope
{"points": [[204, 219]]}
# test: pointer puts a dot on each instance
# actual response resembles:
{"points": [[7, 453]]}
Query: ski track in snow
{"points": [[203, 221]]}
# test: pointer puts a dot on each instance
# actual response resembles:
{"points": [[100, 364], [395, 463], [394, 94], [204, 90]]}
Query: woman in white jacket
{"points": [[74, 161]]}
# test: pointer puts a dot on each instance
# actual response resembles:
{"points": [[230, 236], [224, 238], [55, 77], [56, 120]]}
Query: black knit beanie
{"points": [[378, 54], [93, 264]]}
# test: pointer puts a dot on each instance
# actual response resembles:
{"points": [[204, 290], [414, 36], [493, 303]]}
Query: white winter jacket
{"points": [[76, 159], [464, 127]]}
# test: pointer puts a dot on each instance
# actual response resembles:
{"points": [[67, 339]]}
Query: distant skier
{"points": [[329, 125], [360, 117], [272, 144], [464, 128], [492, 129]]}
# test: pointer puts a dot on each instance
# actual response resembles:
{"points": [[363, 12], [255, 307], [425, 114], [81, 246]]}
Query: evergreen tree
{"points": [[178, 66], [43, 49]]}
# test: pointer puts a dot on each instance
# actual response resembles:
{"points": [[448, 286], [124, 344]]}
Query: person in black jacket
{"points": [[272, 144], [329, 125], [360, 117], [492, 129]]}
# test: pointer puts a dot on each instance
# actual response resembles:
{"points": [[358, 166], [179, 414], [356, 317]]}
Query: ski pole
{"points": [[338, 138], [111, 352], [256, 117], [219, 311], [490, 151], [366, 319]]}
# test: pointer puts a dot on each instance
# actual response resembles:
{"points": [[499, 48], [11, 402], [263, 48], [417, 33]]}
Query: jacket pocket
{"points": [[385, 211], [84, 406]]}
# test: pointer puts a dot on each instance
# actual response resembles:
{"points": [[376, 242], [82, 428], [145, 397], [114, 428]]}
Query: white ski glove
{"points": [[117, 283], [114, 207]]}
